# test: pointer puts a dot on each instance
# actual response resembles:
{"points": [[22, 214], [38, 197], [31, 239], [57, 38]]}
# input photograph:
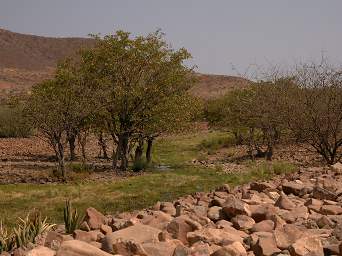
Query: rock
{"points": [[262, 212], [337, 167], [287, 235], [213, 236], [128, 247], [168, 208], [263, 226], [157, 219], [234, 206], [160, 249], [179, 227], [321, 193], [105, 229], [331, 210], [138, 233], [307, 246], [298, 213], [94, 218], [293, 188], [79, 248], [200, 249], [54, 239], [260, 186], [314, 204], [215, 213], [91, 236], [331, 249], [337, 232], [284, 202], [233, 249], [265, 246], [41, 251], [117, 224], [242, 222], [340, 247]]}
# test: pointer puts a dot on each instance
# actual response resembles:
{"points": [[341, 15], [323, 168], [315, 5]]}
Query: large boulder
{"points": [[94, 218], [179, 227], [234, 206], [213, 236], [284, 202], [307, 246], [79, 248], [160, 249], [41, 251], [138, 233], [263, 226], [233, 249], [242, 222], [265, 246]]}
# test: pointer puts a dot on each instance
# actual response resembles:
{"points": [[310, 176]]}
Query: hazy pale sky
{"points": [[218, 33]]}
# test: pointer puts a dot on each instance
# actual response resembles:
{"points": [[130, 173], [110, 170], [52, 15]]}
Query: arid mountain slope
{"points": [[29, 59]]}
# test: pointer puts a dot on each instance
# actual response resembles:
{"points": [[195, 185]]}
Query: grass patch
{"points": [[216, 141], [133, 193]]}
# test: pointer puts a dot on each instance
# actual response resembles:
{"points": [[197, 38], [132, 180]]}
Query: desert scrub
{"points": [[72, 219], [12, 123], [216, 141]]}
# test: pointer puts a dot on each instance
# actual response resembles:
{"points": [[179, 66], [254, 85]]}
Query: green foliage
{"points": [[12, 123], [7, 241], [72, 219], [25, 232], [80, 167], [30, 228]]}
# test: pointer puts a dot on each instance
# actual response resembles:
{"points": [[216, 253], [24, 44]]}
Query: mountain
{"points": [[29, 59]]}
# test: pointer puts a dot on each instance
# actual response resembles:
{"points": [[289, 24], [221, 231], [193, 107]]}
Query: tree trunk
{"points": [[123, 142], [72, 147], [103, 146], [60, 158], [139, 150], [149, 150], [269, 153]]}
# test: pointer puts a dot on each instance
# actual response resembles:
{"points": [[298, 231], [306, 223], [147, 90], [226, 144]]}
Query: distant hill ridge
{"points": [[28, 59]]}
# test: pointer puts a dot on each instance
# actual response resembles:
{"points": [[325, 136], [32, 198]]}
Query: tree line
{"points": [[132, 89], [304, 107]]}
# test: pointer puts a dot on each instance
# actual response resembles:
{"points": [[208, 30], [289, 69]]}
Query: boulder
{"points": [[94, 218], [233, 249], [128, 247], [179, 227], [215, 213], [322, 193], [41, 251], [284, 202], [79, 248], [138, 233], [168, 208], [91, 236], [234, 206], [331, 210], [287, 235], [242, 222], [213, 236], [307, 246], [294, 188], [160, 249], [265, 246], [263, 226]]}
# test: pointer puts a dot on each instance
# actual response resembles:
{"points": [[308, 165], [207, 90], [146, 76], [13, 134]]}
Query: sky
{"points": [[223, 36]]}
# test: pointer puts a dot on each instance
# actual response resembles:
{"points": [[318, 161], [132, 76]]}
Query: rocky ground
{"points": [[298, 214]]}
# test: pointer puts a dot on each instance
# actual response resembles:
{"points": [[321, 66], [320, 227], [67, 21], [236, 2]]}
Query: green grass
{"points": [[132, 193]]}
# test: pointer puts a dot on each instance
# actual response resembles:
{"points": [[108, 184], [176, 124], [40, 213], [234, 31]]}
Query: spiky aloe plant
{"points": [[7, 241], [72, 219], [30, 228]]}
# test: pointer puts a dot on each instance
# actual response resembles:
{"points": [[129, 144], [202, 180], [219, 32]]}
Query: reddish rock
{"points": [[179, 227], [307, 246], [284, 202], [94, 218], [242, 222], [263, 226], [234, 206], [331, 210], [265, 246], [233, 249]]}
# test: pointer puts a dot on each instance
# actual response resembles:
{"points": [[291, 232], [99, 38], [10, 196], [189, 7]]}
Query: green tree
{"points": [[133, 76]]}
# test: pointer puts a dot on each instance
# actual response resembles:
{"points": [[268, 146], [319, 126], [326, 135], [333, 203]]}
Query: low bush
{"points": [[217, 142]]}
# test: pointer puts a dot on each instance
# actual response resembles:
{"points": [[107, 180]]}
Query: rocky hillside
{"points": [[298, 214], [28, 59]]}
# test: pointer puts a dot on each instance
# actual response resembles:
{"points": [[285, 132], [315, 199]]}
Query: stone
{"points": [[337, 232], [178, 228], [314, 204], [284, 202], [287, 235], [242, 222], [262, 212], [213, 236], [160, 249], [215, 213], [41, 251], [293, 188], [91, 236], [138, 233], [337, 167], [322, 193], [79, 248], [260, 186], [233, 249], [105, 229], [157, 219], [234, 206], [168, 208], [128, 247], [263, 226], [94, 218], [307, 246], [331, 210], [265, 246]]}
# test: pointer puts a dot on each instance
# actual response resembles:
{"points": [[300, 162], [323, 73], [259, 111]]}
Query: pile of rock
{"points": [[298, 215]]}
